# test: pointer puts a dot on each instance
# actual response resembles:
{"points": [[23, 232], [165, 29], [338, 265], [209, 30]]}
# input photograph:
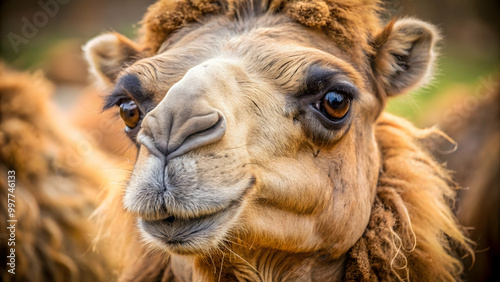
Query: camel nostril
{"points": [[170, 219], [196, 132]]}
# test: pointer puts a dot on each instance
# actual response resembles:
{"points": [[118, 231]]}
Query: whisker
{"points": [[251, 266], [213, 263], [221, 264], [237, 147], [252, 243], [239, 239], [229, 241]]}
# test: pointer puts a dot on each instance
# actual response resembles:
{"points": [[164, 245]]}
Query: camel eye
{"points": [[334, 105], [129, 113]]}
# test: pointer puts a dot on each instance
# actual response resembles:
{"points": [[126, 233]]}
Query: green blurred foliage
{"points": [[452, 70]]}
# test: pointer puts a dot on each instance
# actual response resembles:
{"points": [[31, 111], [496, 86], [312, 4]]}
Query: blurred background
{"points": [[462, 100], [55, 32]]}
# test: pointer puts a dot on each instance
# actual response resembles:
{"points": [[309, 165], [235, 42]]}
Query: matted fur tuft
{"points": [[412, 233], [348, 22], [166, 16]]}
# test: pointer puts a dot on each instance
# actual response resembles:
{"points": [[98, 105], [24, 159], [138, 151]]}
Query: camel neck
{"points": [[259, 265]]}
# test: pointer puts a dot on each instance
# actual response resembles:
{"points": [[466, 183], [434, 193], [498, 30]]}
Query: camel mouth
{"points": [[192, 235], [183, 209]]}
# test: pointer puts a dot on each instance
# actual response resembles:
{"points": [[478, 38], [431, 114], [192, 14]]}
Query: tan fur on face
{"points": [[283, 182]]}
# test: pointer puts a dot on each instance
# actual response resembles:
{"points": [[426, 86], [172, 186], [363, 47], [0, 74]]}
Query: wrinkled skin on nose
{"points": [[185, 119], [180, 138]]}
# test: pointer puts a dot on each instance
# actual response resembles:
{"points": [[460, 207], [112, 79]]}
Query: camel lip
{"points": [[178, 234], [171, 214], [172, 218], [194, 234]]}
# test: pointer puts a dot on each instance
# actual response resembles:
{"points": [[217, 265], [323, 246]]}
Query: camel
{"points": [[55, 188], [264, 153]]}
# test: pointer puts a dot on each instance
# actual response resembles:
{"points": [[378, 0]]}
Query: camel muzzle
{"points": [[184, 120]]}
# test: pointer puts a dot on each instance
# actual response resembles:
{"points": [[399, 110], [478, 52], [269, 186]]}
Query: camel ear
{"points": [[107, 54], [405, 55]]}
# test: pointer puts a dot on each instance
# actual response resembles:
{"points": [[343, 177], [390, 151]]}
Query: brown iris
{"points": [[129, 113], [334, 105]]}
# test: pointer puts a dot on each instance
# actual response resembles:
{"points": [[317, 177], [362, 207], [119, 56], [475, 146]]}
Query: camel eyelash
{"points": [[117, 98], [128, 87], [345, 88], [321, 80], [112, 101]]}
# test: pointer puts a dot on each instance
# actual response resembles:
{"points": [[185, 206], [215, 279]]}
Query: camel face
{"points": [[259, 129], [242, 132]]}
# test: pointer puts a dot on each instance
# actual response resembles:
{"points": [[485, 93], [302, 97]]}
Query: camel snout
{"points": [[186, 119]]}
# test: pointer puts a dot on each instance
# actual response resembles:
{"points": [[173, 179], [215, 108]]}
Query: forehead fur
{"points": [[350, 23]]}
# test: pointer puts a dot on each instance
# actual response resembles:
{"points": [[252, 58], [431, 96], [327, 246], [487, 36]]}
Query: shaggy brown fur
{"points": [[412, 232], [349, 23], [57, 183]]}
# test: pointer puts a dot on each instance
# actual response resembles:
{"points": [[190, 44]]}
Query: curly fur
{"points": [[56, 186], [350, 23], [412, 232]]}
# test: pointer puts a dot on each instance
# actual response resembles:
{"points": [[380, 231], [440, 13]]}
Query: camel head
{"points": [[255, 120]]}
